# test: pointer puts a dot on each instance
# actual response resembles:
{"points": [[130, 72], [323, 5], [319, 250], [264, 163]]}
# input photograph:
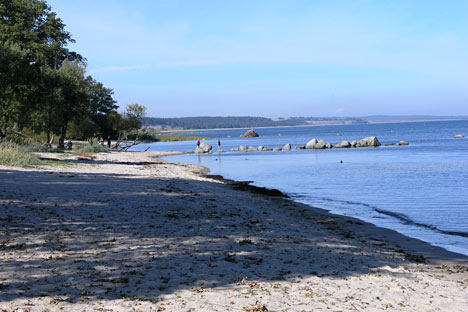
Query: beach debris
{"points": [[204, 148], [459, 136], [249, 134], [287, 147]]}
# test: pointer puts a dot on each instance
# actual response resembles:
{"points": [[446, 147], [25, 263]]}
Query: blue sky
{"points": [[276, 58]]}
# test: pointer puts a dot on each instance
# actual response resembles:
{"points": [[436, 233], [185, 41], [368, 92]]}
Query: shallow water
{"points": [[420, 190]]}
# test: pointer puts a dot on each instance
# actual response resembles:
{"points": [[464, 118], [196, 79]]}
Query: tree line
{"points": [[206, 122], [44, 87]]}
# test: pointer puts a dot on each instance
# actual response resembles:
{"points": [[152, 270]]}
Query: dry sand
{"points": [[130, 232]]}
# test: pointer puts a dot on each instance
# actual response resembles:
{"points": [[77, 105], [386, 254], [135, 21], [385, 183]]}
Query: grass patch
{"points": [[15, 155]]}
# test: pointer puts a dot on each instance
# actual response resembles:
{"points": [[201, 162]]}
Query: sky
{"points": [[276, 58]]}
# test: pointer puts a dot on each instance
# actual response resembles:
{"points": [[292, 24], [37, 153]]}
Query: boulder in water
{"points": [[371, 141], [249, 134], [311, 144], [287, 147], [459, 136], [343, 144], [251, 149], [242, 148], [204, 148]]}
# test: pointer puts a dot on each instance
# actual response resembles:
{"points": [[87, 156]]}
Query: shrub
{"points": [[93, 148], [17, 156]]}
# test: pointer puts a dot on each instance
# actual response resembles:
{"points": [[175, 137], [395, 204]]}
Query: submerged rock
{"points": [[249, 134]]}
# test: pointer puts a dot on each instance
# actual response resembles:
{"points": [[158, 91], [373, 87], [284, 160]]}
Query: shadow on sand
{"points": [[100, 236]]}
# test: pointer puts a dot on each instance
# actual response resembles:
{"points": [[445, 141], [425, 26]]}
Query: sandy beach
{"points": [[130, 232]]}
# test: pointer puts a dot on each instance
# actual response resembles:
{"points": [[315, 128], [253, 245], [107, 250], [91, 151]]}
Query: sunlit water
{"points": [[420, 190]]}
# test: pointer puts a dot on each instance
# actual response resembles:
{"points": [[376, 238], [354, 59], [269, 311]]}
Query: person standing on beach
{"points": [[219, 145], [198, 143], [108, 142]]}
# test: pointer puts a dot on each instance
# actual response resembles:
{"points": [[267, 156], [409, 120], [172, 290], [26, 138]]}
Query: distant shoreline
{"points": [[318, 125]]}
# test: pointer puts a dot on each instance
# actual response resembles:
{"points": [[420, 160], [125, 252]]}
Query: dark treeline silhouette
{"points": [[205, 122]]}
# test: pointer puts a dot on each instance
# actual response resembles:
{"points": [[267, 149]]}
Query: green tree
{"points": [[133, 117], [14, 87]]}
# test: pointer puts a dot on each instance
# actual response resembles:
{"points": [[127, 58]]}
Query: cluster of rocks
{"points": [[371, 141]]}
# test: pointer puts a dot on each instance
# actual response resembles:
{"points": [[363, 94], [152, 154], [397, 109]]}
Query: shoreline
{"points": [[131, 231], [413, 247]]}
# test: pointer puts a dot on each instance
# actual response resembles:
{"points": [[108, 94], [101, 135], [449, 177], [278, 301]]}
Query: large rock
{"points": [[287, 147], [459, 136], [252, 149], [204, 148], [261, 148], [249, 134], [242, 148], [321, 144], [311, 144], [371, 141]]}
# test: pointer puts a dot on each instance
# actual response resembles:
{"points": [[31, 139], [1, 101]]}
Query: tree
{"points": [[14, 87], [133, 117]]}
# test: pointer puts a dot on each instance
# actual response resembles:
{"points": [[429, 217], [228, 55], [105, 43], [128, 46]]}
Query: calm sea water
{"points": [[420, 190]]}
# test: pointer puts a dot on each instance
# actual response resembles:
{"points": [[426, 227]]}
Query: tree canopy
{"points": [[44, 87]]}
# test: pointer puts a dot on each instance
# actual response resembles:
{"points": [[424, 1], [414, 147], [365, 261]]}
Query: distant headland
{"points": [[227, 122]]}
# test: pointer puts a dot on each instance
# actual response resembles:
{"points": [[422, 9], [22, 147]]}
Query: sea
{"points": [[419, 190]]}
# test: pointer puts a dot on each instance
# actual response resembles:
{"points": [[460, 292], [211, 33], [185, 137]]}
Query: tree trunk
{"points": [[62, 136]]}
